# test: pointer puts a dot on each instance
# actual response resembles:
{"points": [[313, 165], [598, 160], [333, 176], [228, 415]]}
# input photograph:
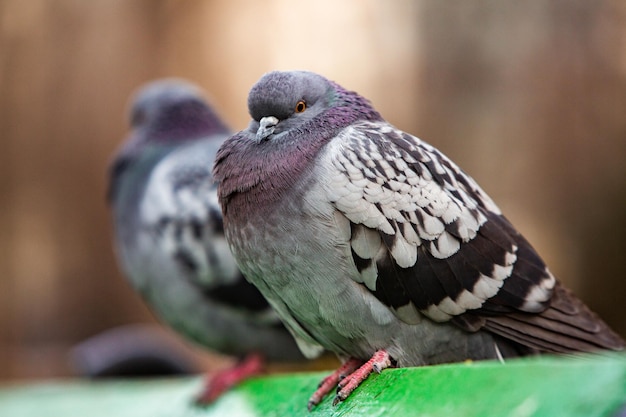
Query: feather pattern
{"points": [[429, 216]]}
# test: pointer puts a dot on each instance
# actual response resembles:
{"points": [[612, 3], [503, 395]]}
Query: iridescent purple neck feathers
{"points": [[184, 121], [355, 104]]}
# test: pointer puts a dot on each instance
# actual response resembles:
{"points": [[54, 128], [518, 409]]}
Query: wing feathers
{"points": [[555, 330]]}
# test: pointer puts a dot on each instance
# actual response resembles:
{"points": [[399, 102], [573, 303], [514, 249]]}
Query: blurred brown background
{"points": [[528, 97]]}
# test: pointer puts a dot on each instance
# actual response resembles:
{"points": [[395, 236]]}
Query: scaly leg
{"points": [[331, 381], [379, 361]]}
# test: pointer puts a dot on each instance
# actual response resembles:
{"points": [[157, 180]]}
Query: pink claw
{"points": [[330, 382], [222, 381], [379, 361], [349, 376]]}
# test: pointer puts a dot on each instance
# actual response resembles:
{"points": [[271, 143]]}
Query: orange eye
{"points": [[300, 106]]}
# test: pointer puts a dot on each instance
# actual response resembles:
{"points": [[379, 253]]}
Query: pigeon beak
{"points": [[266, 128]]}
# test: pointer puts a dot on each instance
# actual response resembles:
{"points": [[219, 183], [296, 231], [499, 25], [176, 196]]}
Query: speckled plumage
{"points": [[364, 237], [168, 226]]}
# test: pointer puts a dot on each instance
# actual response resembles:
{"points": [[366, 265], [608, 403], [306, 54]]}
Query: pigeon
{"points": [[169, 234], [371, 244]]}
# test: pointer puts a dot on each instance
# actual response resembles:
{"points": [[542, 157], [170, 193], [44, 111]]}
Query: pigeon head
{"points": [[172, 110], [281, 101]]}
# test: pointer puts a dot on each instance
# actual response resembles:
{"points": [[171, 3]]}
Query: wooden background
{"points": [[528, 97]]}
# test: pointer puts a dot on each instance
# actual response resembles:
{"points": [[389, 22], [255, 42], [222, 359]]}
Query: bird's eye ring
{"points": [[300, 106]]}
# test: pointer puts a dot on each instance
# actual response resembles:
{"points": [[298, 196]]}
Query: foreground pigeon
{"points": [[372, 244], [169, 234]]}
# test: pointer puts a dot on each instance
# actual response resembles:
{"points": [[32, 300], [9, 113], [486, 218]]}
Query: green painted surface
{"points": [[549, 387]]}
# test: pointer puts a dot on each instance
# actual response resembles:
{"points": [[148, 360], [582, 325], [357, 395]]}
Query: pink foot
{"points": [[331, 381], [379, 361], [222, 381]]}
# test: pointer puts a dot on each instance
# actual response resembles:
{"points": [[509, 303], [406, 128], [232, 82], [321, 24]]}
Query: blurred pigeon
{"points": [[169, 234], [372, 244]]}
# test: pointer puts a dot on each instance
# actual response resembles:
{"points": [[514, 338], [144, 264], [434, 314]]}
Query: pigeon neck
{"points": [[353, 105], [186, 123]]}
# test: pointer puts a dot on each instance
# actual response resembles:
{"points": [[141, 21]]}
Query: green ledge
{"points": [[546, 386]]}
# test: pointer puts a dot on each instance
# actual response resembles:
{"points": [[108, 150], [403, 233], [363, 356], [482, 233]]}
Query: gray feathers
{"points": [[404, 251]]}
